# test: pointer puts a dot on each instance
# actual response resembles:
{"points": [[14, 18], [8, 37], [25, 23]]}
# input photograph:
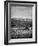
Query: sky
{"points": [[21, 12]]}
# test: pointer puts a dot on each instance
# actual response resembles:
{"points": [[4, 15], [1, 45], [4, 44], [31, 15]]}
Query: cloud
{"points": [[21, 12]]}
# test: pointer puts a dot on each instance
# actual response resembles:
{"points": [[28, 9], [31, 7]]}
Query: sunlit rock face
{"points": [[20, 28]]}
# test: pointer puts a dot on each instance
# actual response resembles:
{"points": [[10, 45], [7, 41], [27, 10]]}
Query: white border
{"points": [[26, 39]]}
